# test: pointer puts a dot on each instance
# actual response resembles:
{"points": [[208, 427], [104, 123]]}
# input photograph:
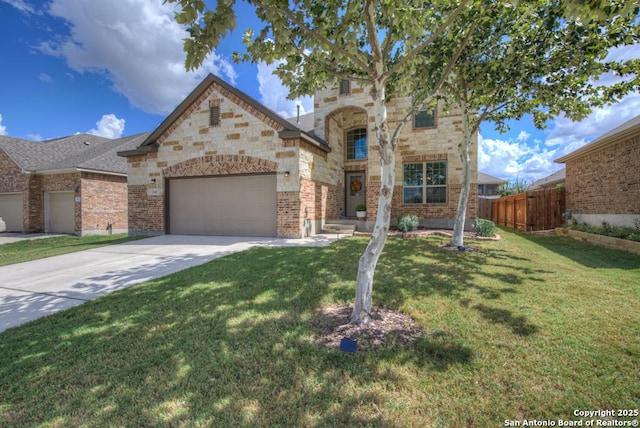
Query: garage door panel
{"points": [[11, 211], [61, 212], [236, 205]]}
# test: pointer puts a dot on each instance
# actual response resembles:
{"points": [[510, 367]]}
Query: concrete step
{"points": [[342, 229]]}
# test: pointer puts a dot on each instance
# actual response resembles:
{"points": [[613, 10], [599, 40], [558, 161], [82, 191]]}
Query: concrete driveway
{"points": [[41, 287]]}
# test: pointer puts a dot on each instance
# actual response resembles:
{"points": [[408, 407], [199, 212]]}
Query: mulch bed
{"points": [[387, 328]]}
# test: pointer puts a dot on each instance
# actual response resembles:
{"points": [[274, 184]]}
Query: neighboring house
{"points": [[224, 164], [603, 180], [75, 184], [488, 185], [553, 181]]}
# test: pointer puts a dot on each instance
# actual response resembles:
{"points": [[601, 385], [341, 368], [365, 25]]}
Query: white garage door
{"points": [[234, 206], [11, 211], [61, 212]]}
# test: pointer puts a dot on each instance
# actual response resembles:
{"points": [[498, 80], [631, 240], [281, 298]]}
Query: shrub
{"points": [[408, 222], [635, 236], [607, 229], [484, 227]]}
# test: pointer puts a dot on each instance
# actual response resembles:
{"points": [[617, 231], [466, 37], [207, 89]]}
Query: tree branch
{"points": [[441, 82], [374, 43], [430, 40], [311, 32]]}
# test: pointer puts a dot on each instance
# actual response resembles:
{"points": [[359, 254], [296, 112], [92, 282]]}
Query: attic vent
{"points": [[86, 143], [345, 87]]}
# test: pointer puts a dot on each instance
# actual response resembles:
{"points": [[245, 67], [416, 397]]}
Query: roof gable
{"points": [[211, 83]]}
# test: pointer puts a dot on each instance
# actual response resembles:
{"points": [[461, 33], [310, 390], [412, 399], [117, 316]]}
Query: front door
{"points": [[355, 191]]}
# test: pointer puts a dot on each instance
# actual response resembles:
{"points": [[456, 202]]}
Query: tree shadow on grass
{"points": [[584, 253], [224, 344], [229, 343]]}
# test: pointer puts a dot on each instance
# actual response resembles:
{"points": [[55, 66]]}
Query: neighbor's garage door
{"points": [[61, 212], [243, 205], [11, 211]]}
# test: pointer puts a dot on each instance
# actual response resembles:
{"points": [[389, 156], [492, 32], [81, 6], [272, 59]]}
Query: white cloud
{"points": [[274, 94], [109, 126], [569, 135], [35, 137], [136, 44], [623, 53], [3, 129], [20, 5], [532, 160], [44, 77], [519, 158], [523, 136]]}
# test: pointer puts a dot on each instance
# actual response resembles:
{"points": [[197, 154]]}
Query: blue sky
{"points": [[115, 68]]}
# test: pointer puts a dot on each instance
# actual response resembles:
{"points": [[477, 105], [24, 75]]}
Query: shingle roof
{"points": [[80, 151], [489, 179], [555, 178]]}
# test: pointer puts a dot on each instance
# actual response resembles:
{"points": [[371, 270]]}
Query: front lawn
{"points": [[32, 249], [531, 327]]}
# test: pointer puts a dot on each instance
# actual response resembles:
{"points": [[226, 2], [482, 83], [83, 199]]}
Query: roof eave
{"points": [[598, 144], [291, 134], [74, 170], [142, 150]]}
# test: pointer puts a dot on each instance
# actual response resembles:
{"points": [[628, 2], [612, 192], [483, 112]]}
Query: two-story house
{"points": [[224, 164]]}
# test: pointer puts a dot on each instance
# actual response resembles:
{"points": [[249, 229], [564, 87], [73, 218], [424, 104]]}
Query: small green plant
{"points": [[408, 222], [361, 207], [630, 233], [483, 227]]}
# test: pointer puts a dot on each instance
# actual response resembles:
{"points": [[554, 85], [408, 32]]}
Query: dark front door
{"points": [[355, 191]]}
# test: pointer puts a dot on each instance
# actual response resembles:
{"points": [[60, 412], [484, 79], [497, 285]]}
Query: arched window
{"points": [[357, 144]]}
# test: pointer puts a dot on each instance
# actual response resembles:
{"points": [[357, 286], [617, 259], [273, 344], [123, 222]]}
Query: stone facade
{"points": [[603, 184], [336, 114], [310, 167]]}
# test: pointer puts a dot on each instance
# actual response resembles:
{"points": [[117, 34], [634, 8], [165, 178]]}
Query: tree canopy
{"points": [[509, 55]]}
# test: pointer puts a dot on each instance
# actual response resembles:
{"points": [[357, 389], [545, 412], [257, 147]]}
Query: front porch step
{"points": [[342, 229]]}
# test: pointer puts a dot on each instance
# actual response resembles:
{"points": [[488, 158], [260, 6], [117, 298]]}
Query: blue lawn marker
{"points": [[348, 345]]}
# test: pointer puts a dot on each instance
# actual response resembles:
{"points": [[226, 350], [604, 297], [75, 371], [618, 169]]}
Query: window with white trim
{"points": [[425, 182]]}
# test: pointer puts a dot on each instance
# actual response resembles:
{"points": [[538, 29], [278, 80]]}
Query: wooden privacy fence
{"points": [[529, 211]]}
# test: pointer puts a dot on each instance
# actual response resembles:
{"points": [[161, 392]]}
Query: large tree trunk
{"points": [[463, 201], [369, 259]]}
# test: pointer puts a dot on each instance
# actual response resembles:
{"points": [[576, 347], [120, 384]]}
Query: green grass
{"points": [[529, 327], [24, 251]]}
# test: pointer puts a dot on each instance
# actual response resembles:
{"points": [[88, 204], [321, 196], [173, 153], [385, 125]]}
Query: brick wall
{"points": [[320, 201], [605, 181], [104, 201], [13, 180], [289, 210], [33, 205], [146, 213]]}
